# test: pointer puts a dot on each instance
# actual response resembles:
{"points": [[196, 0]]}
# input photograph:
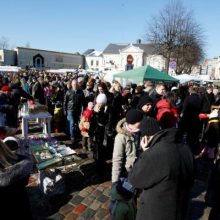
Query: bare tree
{"points": [[175, 34], [4, 43]]}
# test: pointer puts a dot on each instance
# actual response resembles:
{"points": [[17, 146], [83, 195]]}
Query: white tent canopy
{"points": [[9, 68], [184, 78], [61, 70]]}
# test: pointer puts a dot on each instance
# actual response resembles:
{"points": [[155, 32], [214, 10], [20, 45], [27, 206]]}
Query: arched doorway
{"points": [[38, 61]]}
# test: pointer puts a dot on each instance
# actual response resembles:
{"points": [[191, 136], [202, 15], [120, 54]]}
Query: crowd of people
{"points": [[152, 133]]}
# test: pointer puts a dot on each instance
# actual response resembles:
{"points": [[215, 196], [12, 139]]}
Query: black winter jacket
{"points": [[74, 101], [165, 172]]}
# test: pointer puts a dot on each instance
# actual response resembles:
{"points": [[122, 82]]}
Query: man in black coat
{"points": [[164, 171], [74, 102], [190, 122]]}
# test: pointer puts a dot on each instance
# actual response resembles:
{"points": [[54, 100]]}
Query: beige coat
{"points": [[124, 152]]}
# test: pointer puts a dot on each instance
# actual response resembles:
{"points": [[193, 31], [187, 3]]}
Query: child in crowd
{"points": [[84, 126], [58, 118], [122, 205]]}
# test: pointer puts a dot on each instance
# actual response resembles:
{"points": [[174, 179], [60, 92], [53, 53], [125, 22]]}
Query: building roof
{"points": [[115, 48], [87, 52], [26, 48], [95, 53]]}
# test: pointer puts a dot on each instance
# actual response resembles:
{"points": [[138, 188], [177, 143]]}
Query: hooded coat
{"points": [[123, 209], [124, 153], [166, 115], [165, 172]]}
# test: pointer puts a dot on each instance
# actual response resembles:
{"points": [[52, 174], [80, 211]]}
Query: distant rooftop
{"points": [[88, 52], [26, 48], [115, 48]]}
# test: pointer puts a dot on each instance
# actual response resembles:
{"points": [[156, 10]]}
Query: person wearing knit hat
{"points": [[145, 105], [149, 126], [125, 153], [174, 88], [6, 88], [133, 116], [126, 144], [11, 142], [164, 173], [6, 110], [101, 99], [101, 131]]}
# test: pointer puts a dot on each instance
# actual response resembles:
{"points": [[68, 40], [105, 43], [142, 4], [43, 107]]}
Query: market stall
{"points": [[143, 73], [51, 158], [35, 111]]}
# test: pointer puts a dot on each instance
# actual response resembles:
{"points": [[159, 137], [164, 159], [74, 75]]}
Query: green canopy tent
{"points": [[145, 73]]}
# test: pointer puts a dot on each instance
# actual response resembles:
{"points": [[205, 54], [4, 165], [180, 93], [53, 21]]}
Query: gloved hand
{"points": [[214, 113]]}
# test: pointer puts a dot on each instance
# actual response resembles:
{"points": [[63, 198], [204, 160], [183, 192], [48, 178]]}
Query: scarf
{"points": [[129, 129]]}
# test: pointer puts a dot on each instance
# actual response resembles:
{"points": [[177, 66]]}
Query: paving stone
{"points": [[107, 184], [87, 214], [76, 200], [89, 189], [106, 204], [101, 213], [97, 193], [108, 217], [88, 200], [57, 216], [79, 208], [66, 209], [102, 198], [84, 193], [107, 192], [94, 186], [100, 188], [95, 205], [71, 216]]}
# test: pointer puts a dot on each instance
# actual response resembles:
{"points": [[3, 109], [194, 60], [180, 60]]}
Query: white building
{"points": [[121, 57], [29, 57], [217, 69], [8, 57], [93, 60]]}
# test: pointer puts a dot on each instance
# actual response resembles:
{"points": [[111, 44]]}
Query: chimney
{"points": [[138, 41]]}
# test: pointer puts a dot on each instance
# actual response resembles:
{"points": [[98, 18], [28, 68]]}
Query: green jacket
{"points": [[122, 209]]}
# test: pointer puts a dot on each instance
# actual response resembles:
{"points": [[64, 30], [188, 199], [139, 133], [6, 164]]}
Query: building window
{"points": [[0, 58], [58, 58], [97, 62], [91, 62]]}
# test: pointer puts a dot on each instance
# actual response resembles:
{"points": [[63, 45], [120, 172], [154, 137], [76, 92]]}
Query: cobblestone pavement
{"points": [[87, 195], [87, 198]]}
